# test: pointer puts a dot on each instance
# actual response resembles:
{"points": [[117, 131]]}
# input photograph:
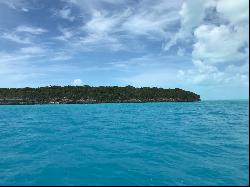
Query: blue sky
{"points": [[198, 45]]}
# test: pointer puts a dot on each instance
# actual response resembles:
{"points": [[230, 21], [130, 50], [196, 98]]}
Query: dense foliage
{"points": [[87, 94]]}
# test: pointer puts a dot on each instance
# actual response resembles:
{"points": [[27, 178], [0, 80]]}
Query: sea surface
{"points": [[202, 143]]}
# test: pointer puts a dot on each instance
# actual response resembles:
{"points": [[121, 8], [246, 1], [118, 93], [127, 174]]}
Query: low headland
{"points": [[91, 95]]}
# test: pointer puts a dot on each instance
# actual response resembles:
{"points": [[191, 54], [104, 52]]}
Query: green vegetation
{"points": [[87, 94]]}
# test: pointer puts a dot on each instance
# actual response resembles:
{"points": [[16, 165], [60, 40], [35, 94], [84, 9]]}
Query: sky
{"points": [[196, 45]]}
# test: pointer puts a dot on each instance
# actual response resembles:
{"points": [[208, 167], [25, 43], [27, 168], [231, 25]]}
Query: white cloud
{"points": [[102, 27], [115, 28], [192, 14], [66, 13], [220, 51], [181, 51], [94, 41], [33, 50], [152, 19], [61, 56], [150, 24], [25, 9], [77, 82], [236, 11], [24, 54], [16, 4], [100, 32], [209, 75], [31, 30], [102, 23], [15, 38], [87, 5], [95, 33], [218, 44], [12, 57], [22, 34], [66, 35]]}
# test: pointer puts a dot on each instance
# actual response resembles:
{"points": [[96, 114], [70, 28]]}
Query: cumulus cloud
{"points": [[220, 51], [191, 14], [236, 12], [77, 82], [218, 44], [209, 75]]}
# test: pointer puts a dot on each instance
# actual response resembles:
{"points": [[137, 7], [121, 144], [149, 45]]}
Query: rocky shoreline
{"points": [[25, 102]]}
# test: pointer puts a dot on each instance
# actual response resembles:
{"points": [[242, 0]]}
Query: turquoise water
{"points": [[204, 143]]}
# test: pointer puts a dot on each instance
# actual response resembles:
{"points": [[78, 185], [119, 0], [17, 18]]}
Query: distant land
{"points": [[90, 95]]}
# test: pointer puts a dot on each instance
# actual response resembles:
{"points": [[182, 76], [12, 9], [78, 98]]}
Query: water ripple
{"points": [[203, 143]]}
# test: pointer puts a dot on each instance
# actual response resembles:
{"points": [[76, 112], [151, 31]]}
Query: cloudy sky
{"points": [[198, 45]]}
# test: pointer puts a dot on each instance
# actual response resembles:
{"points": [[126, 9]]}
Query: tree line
{"points": [[89, 94]]}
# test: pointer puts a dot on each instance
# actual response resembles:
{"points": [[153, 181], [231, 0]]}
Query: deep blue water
{"points": [[203, 143]]}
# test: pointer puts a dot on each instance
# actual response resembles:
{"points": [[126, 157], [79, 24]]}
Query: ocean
{"points": [[200, 143]]}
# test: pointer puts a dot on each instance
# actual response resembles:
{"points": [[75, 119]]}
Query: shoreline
{"points": [[111, 102]]}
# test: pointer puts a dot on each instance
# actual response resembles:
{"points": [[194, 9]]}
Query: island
{"points": [[91, 95]]}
